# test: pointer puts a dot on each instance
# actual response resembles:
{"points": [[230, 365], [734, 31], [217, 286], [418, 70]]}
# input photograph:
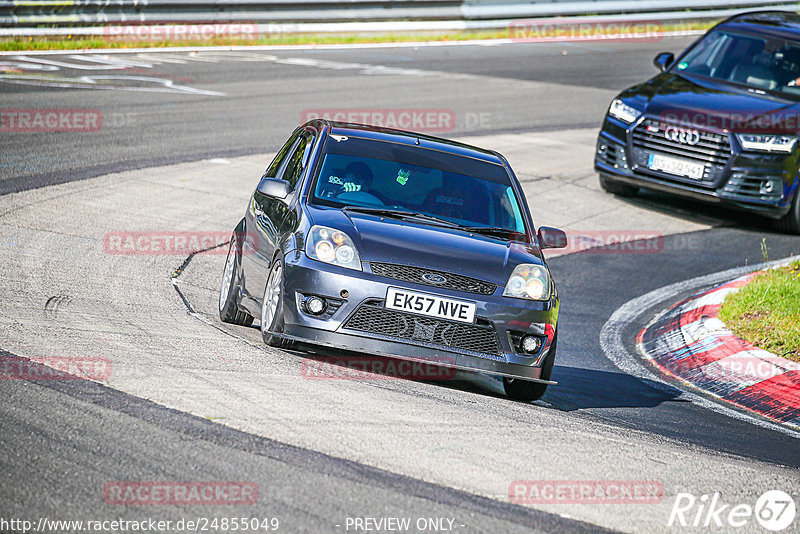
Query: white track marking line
{"points": [[612, 343], [96, 62], [108, 60], [107, 63], [158, 59], [22, 65], [90, 82], [364, 68]]}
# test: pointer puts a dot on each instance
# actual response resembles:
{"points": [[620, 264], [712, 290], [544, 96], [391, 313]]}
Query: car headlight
{"points": [[623, 111], [332, 246], [767, 143], [528, 282]]}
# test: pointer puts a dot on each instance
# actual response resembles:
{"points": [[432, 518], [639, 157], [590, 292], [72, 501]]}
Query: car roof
{"points": [[411, 138], [778, 23]]}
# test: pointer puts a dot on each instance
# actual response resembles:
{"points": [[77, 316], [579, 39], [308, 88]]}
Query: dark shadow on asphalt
{"points": [[577, 388], [698, 212], [580, 389]]}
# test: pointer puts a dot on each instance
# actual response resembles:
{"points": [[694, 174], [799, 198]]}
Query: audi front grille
{"points": [[713, 150]]}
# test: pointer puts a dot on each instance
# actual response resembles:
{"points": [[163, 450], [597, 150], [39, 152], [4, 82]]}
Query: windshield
{"points": [[365, 173], [759, 62]]}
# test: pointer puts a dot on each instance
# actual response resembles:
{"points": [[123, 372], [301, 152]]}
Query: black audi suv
{"points": [[719, 123]]}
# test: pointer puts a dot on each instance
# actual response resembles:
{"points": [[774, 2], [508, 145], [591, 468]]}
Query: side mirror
{"points": [[664, 60], [551, 237], [274, 188]]}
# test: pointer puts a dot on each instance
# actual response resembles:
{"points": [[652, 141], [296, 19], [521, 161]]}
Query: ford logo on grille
{"points": [[684, 136], [433, 278]]}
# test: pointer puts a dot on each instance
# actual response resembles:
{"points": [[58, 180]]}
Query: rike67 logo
{"points": [[774, 510]]}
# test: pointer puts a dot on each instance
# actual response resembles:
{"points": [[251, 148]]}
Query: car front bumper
{"points": [[621, 154], [499, 316]]}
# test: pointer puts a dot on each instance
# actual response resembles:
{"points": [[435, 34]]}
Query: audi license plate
{"points": [[679, 167], [430, 305]]}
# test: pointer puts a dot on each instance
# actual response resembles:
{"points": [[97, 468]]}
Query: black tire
{"points": [[229, 311], [616, 188], [275, 283], [526, 391], [790, 223]]}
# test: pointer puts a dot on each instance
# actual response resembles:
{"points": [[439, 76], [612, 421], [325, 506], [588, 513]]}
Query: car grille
{"points": [[455, 282], [713, 150], [373, 318]]}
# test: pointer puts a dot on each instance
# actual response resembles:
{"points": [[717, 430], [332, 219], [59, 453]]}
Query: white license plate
{"points": [[430, 305], [676, 166]]}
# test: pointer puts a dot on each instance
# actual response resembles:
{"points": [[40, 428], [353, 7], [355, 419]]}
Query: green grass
{"points": [[766, 312], [81, 43]]}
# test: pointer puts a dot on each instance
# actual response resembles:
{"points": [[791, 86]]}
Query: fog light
{"points": [[314, 305], [531, 344], [767, 187]]}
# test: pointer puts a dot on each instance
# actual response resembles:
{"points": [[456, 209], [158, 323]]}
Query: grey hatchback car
{"points": [[401, 245]]}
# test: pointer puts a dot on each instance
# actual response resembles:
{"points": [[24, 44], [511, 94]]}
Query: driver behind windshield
{"points": [[357, 176], [791, 63]]}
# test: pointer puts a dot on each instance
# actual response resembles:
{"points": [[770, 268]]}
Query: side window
{"points": [[511, 207], [280, 158], [299, 158]]}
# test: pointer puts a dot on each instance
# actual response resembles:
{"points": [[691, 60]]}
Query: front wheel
{"points": [[272, 307], [790, 223], [229, 311], [526, 391]]}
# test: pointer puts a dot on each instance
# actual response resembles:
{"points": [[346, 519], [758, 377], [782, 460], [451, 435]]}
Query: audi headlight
{"points": [[528, 282], [623, 111], [767, 143], [332, 246]]}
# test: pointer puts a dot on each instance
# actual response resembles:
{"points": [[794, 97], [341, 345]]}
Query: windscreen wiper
{"points": [[377, 211], [493, 230], [402, 214]]}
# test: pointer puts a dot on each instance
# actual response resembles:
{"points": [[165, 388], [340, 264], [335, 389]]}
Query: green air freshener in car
{"points": [[402, 176]]}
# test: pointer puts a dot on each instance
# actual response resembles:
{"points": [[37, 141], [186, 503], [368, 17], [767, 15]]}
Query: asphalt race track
{"points": [[489, 88], [182, 140]]}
